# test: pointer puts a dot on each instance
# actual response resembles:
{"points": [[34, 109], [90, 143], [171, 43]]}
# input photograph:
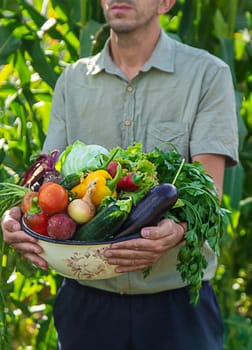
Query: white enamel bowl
{"points": [[75, 259]]}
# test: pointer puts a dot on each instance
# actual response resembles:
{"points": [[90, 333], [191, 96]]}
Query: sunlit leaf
{"points": [[87, 36], [8, 44]]}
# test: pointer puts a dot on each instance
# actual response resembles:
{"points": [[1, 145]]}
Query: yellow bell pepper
{"points": [[105, 185], [80, 189], [99, 177]]}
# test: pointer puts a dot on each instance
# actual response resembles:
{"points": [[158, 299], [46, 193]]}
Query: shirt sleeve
{"points": [[215, 128], [56, 137]]}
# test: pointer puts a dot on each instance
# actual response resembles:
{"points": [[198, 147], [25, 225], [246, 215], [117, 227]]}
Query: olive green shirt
{"points": [[182, 94]]}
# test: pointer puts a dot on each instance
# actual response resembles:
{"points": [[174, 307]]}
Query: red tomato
{"points": [[52, 198], [37, 222], [27, 201]]}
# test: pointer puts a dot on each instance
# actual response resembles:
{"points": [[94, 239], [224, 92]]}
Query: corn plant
{"points": [[37, 40]]}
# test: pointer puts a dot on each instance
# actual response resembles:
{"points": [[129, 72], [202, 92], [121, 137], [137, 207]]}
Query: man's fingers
{"points": [[163, 229], [129, 254], [15, 213], [36, 260], [27, 247], [10, 220], [138, 244], [18, 237], [30, 251], [19, 240], [11, 225]]}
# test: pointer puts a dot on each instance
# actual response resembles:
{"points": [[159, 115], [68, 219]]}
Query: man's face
{"points": [[125, 16]]}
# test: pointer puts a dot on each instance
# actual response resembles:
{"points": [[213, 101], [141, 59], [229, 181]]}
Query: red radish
{"points": [[61, 226]]}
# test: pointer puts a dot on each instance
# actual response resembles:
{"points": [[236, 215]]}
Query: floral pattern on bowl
{"points": [[90, 265], [75, 259]]}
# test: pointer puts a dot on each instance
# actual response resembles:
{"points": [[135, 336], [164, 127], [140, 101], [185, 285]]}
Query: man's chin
{"points": [[122, 28]]}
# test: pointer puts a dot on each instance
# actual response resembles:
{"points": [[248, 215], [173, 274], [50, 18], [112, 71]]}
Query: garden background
{"points": [[38, 38]]}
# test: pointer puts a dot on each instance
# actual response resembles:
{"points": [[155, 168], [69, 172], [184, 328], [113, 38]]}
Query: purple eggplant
{"points": [[150, 209]]}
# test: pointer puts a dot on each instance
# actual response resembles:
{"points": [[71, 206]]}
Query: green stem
{"points": [[105, 164], [178, 172], [35, 208], [83, 12], [210, 195], [98, 11], [197, 217], [2, 296], [1, 266], [113, 182], [233, 5]]}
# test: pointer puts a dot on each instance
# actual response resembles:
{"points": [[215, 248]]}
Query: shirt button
{"points": [[129, 88], [127, 122]]}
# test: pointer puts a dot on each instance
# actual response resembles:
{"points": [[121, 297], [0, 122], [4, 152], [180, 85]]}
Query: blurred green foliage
{"points": [[37, 40]]}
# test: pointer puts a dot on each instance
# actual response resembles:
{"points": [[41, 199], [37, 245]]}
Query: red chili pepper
{"points": [[36, 219], [130, 182], [112, 167], [37, 222], [28, 200]]}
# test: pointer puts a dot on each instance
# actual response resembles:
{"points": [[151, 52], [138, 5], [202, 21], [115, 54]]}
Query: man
{"points": [[148, 88]]}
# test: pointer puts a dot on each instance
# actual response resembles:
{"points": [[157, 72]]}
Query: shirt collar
{"points": [[162, 58]]}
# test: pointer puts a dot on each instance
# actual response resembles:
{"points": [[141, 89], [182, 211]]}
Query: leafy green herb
{"points": [[134, 160], [201, 210]]}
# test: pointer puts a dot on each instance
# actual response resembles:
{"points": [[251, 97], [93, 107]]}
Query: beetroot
{"points": [[61, 226]]}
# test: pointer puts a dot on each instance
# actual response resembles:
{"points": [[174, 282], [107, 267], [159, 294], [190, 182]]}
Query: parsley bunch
{"points": [[199, 207]]}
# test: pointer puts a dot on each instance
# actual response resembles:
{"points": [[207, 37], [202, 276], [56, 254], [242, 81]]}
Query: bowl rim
{"points": [[48, 239]]}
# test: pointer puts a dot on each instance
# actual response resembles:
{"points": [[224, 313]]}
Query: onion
{"points": [[82, 210]]}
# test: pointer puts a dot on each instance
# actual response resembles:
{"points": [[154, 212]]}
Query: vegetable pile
{"points": [[91, 194]]}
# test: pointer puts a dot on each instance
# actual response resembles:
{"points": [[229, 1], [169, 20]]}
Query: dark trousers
{"points": [[90, 319]]}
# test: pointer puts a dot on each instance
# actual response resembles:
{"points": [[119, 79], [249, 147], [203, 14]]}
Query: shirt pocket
{"points": [[162, 133]]}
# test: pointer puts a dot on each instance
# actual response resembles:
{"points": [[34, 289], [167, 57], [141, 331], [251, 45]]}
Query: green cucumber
{"points": [[105, 223]]}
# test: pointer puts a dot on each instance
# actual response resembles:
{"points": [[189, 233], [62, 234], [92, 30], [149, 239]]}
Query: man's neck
{"points": [[130, 51]]}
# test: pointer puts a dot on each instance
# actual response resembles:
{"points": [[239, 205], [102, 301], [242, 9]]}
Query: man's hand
{"points": [[19, 240], [139, 253]]}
